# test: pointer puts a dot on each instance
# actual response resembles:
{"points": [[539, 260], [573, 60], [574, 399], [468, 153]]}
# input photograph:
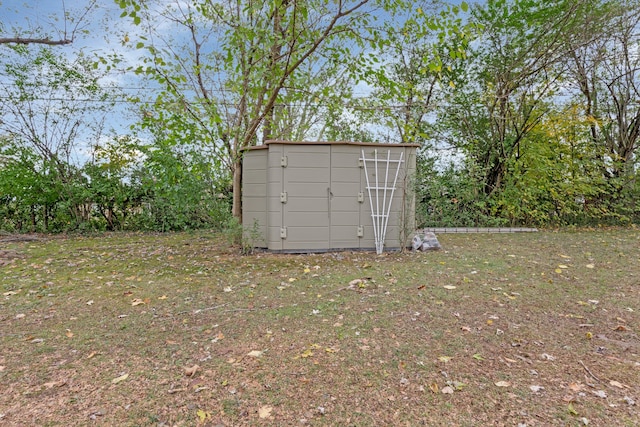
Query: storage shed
{"points": [[326, 196]]}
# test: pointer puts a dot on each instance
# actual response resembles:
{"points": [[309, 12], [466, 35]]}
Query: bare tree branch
{"points": [[46, 41]]}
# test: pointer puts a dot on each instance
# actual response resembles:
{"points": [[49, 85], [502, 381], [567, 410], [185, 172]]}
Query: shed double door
{"points": [[319, 199]]}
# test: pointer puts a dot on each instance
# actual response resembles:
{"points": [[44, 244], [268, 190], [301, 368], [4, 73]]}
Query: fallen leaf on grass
{"points": [[600, 393], [444, 359], [90, 355], [90, 302], [545, 356], [163, 297], [620, 328], [2, 368], [203, 415], [571, 410], [618, 384], [53, 384], [576, 387], [265, 411], [307, 353], [69, 334], [590, 266], [357, 282], [449, 287], [536, 388], [191, 371], [447, 390], [457, 385], [99, 413], [119, 379], [503, 384], [137, 301], [6, 294], [433, 387], [255, 353], [218, 337]]}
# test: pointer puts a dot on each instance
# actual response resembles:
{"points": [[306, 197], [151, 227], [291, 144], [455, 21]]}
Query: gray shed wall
{"points": [[322, 210]]}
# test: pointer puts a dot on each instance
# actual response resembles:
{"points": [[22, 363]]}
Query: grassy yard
{"points": [[178, 329]]}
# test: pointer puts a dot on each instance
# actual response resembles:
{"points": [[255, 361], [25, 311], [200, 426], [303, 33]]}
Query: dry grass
{"points": [[531, 329]]}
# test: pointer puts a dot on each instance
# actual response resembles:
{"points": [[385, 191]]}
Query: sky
{"points": [[98, 32]]}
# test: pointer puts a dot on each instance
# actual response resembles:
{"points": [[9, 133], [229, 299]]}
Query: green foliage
{"points": [[177, 193], [158, 190], [451, 197], [421, 52], [242, 236]]}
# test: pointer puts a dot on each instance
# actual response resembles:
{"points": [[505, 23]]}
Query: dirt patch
{"points": [[7, 256], [5, 238]]}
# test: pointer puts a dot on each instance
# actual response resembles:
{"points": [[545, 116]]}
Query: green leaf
{"points": [[464, 6]]}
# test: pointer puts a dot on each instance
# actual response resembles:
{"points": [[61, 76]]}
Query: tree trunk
{"points": [[236, 209], [33, 219], [45, 217]]}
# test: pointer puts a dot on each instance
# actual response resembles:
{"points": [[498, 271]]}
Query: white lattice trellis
{"points": [[381, 193]]}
